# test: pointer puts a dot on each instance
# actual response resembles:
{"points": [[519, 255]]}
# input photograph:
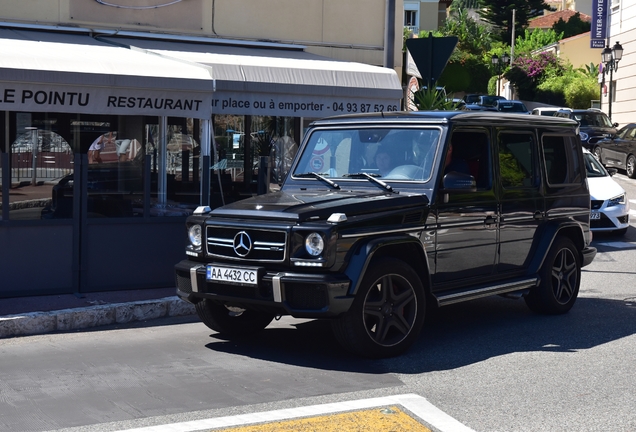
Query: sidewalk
{"points": [[23, 316]]}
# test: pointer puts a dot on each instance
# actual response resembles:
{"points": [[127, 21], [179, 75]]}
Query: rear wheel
{"points": [[630, 166], [387, 314], [231, 321], [560, 279]]}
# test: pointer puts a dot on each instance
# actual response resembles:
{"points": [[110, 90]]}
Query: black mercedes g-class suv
{"points": [[385, 215]]}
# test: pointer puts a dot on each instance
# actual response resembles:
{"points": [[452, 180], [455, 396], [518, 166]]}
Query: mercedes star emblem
{"points": [[242, 244]]}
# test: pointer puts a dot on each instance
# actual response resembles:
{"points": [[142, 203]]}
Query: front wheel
{"points": [[232, 321], [387, 314], [597, 153], [630, 166], [560, 279]]}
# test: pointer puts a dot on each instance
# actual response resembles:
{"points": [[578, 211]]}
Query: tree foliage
{"points": [[574, 26], [532, 40], [573, 88], [498, 13]]}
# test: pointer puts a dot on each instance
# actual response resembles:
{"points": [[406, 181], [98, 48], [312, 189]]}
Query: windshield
{"points": [[405, 154], [593, 119], [593, 166]]}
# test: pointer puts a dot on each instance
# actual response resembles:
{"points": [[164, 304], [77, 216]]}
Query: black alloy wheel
{"points": [[387, 314], [560, 279]]}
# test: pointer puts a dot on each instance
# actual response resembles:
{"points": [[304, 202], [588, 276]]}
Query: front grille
{"points": [[306, 296], [265, 245], [596, 204], [603, 222]]}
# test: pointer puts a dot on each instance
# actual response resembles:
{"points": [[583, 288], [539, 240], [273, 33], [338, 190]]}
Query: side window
{"points": [[561, 157], [517, 160], [469, 153]]}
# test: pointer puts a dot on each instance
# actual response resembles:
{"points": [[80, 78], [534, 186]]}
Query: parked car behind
{"points": [[546, 111], [489, 100], [609, 204], [594, 124], [619, 151], [511, 106]]}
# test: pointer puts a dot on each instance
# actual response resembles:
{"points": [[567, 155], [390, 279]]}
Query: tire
{"points": [[387, 314], [560, 280], [597, 153], [630, 166], [230, 321]]}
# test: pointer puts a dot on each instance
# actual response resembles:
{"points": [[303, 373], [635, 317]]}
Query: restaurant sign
{"points": [[103, 100]]}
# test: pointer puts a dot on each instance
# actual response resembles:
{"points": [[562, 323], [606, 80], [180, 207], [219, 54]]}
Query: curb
{"points": [[33, 323]]}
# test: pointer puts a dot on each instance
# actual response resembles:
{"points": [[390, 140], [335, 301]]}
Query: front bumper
{"points": [[302, 295]]}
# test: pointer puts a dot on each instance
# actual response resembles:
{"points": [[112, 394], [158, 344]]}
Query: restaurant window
{"points": [[181, 164], [40, 163]]}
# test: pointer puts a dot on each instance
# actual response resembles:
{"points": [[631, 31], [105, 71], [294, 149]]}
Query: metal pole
{"points": [[34, 154], [611, 89]]}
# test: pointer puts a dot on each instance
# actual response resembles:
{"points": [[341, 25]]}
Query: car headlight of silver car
{"points": [[618, 200], [194, 233], [314, 244]]}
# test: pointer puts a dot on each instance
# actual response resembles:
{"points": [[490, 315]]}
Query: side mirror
{"points": [[612, 171], [615, 125], [458, 182]]}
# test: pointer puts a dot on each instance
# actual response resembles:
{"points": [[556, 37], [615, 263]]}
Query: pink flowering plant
{"points": [[527, 72]]}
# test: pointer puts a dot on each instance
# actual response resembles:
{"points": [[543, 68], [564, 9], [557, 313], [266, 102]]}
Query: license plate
{"points": [[234, 275], [595, 215]]}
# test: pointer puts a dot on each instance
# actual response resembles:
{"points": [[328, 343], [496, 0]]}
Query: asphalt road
{"points": [[491, 364]]}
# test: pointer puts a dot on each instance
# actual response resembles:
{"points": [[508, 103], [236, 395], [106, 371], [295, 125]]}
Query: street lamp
{"points": [[505, 58], [611, 57]]}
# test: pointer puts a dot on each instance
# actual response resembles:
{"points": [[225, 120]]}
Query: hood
{"points": [[604, 188], [299, 207]]}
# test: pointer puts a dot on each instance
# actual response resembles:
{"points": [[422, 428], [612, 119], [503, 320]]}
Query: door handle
{"points": [[538, 215], [490, 220]]}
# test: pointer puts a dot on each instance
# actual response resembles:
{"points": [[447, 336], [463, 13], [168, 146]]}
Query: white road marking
{"points": [[415, 404]]}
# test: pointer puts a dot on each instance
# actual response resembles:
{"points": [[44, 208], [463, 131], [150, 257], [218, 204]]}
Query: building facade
{"points": [[118, 118], [622, 91]]}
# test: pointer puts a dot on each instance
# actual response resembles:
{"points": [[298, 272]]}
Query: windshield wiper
{"points": [[319, 177], [372, 178]]}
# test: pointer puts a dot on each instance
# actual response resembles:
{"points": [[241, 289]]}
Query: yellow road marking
{"points": [[371, 420]]}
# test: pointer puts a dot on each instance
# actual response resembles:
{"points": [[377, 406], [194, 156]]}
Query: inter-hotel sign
{"points": [[599, 23]]}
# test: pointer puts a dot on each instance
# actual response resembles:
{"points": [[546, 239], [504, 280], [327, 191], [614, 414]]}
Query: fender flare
{"points": [[367, 250], [547, 236]]}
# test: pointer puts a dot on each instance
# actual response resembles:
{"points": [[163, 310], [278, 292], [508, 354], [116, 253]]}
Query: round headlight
{"points": [[195, 235], [583, 136], [314, 244]]}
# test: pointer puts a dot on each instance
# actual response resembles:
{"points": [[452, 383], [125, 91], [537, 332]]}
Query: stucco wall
{"points": [[348, 30]]}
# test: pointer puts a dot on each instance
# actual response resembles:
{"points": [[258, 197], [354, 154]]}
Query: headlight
{"points": [[194, 233], [314, 244], [583, 136], [616, 201]]}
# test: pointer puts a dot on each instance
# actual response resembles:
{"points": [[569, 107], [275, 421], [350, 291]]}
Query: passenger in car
{"points": [[383, 161], [454, 163]]}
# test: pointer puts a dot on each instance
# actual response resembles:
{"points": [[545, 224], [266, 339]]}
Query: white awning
{"points": [[286, 82], [59, 72]]}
